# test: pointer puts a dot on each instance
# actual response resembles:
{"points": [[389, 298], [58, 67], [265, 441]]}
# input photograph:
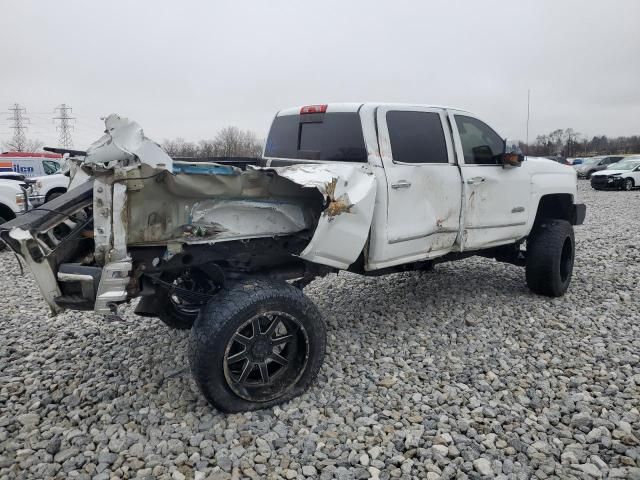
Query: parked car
{"points": [[624, 175], [225, 250], [41, 189], [13, 201], [575, 161], [48, 187], [594, 164], [41, 170]]}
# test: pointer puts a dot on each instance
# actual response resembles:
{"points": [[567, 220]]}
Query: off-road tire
{"points": [[219, 323], [628, 184], [550, 258]]}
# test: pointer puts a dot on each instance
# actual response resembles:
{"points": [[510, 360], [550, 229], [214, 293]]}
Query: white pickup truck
{"points": [[225, 248], [13, 201]]}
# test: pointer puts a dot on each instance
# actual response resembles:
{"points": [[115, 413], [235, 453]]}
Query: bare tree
{"points": [[30, 145], [228, 142]]}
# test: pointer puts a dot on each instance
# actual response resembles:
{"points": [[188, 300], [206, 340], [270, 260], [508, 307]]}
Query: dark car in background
{"points": [[594, 164]]}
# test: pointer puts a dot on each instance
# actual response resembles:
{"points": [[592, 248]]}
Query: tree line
{"points": [[569, 143], [228, 142]]}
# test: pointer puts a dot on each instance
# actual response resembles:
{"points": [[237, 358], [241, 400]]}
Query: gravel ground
{"points": [[456, 373]]}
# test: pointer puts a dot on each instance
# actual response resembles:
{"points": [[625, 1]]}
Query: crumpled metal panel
{"points": [[123, 144], [343, 228]]}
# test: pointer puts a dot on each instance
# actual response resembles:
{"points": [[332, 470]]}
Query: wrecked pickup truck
{"points": [[225, 248]]}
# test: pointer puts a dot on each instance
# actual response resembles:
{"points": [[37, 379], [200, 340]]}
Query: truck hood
{"points": [[544, 165], [605, 173]]}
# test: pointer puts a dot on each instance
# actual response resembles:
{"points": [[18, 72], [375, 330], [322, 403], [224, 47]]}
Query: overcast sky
{"points": [[188, 68]]}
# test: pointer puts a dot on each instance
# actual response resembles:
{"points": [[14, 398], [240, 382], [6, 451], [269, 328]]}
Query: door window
{"points": [[416, 137], [480, 143]]}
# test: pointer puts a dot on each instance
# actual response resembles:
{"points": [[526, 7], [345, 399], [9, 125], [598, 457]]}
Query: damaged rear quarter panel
{"points": [[343, 227], [205, 203]]}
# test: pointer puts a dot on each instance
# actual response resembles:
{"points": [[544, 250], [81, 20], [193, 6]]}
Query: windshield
{"points": [[625, 165], [50, 167]]}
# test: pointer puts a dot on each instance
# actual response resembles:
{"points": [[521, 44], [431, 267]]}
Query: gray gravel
{"points": [[456, 373]]}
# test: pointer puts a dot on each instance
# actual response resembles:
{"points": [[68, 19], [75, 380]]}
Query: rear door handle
{"points": [[475, 180], [401, 184]]}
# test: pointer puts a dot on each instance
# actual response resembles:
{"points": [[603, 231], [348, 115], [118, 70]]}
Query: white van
{"points": [[30, 164]]}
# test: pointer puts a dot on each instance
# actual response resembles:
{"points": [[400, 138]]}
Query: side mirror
{"points": [[512, 159]]}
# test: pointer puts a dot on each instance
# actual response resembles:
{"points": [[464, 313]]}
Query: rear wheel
{"points": [[628, 184], [550, 257], [256, 344]]}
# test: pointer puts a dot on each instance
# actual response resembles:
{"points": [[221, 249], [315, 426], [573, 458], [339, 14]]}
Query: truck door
{"points": [[423, 186], [496, 198]]}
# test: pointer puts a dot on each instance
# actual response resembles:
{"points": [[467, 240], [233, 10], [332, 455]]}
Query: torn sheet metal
{"points": [[343, 228], [124, 144]]}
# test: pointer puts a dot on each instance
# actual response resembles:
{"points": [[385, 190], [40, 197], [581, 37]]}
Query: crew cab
{"points": [[224, 248]]}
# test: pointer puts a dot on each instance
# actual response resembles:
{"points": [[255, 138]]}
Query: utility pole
{"points": [[65, 127], [20, 121]]}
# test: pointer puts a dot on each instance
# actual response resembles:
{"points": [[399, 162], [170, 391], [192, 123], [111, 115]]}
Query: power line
{"points": [[65, 127], [19, 124]]}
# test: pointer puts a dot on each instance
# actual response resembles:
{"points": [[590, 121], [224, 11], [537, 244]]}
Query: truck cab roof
{"points": [[355, 107]]}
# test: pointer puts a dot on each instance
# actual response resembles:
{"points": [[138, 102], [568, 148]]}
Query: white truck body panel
{"points": [[11, 196], [45, 185]]}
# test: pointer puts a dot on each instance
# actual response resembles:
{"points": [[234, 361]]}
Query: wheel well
{"points": [[6, 212], [56, 190], [555, 206]]}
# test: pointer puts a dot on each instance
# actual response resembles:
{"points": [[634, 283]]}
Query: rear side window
{"points": [[416, 137], [321, 136]]}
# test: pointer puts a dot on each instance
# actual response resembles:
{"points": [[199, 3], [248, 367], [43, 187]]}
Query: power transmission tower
{"points": [[20, 121], [65, 127]]}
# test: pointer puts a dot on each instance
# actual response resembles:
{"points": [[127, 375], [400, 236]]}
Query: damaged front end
{"points": [[135, 222]]}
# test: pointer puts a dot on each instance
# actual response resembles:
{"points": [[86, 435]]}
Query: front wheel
{"points": [[256, 344], [550, 256], [628, 184]]}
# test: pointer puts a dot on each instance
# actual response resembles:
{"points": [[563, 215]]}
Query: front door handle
{"points": [[475, 180], [401, 184]]}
